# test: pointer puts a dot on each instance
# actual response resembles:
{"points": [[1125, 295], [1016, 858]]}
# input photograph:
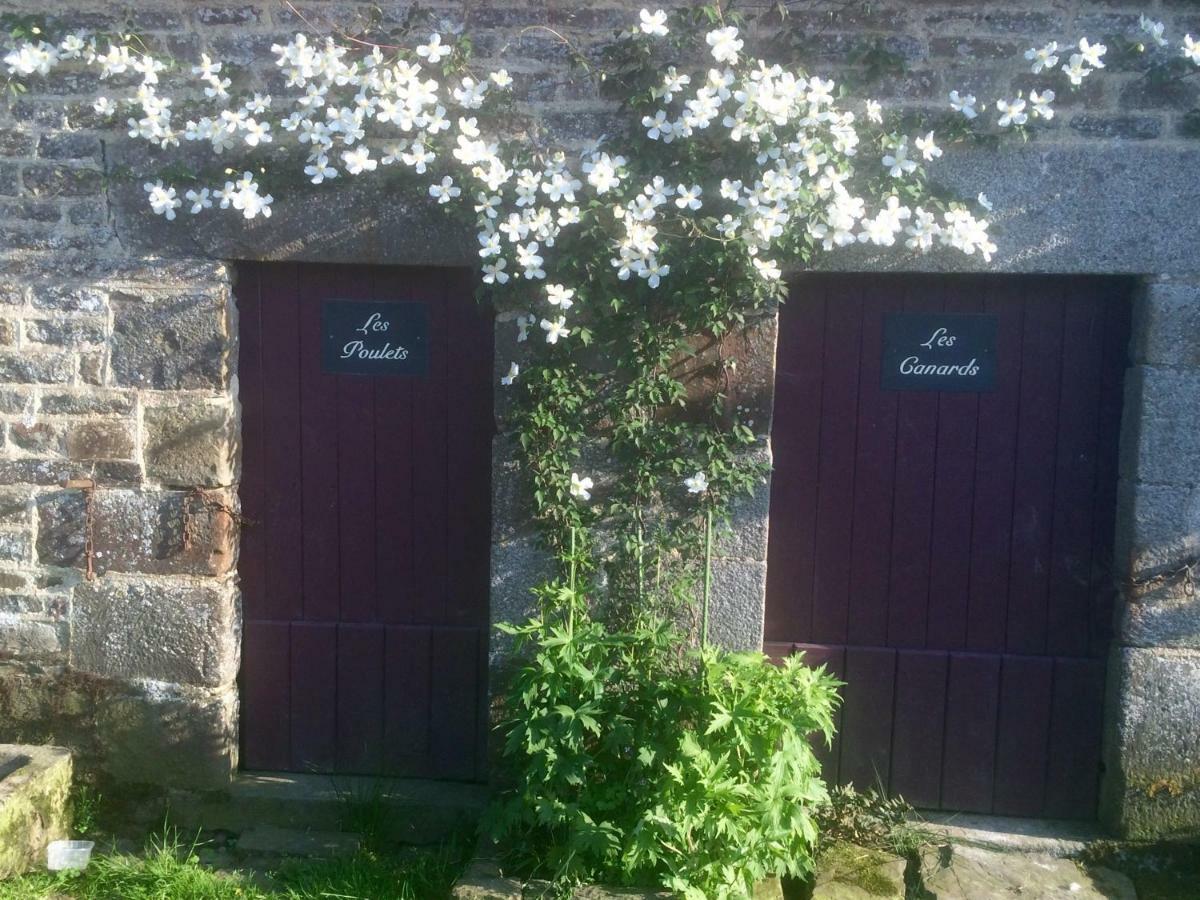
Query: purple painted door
{"points": [[364, 568], [948, 554]]}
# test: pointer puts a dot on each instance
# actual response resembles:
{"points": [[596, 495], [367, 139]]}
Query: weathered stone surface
{"points": [[156, 629], [1166, 324], [170, 736], [483, 881], [1159, 530], [140, 531], [294, 842], [177, 342], [746, 538], [969, 873], [847, 872], [518, 566], [1049, 199], [1153, 745], [35, 789], [31, 639], [738, 600], [100, 440], [191, 443], [1160, 442]]}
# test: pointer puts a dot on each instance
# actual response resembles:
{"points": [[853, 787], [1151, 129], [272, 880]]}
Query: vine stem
{"points": [[707, 576], [571, 606]]}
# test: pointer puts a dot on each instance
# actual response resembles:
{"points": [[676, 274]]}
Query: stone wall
{"points": [[1154, 702], [118, 354]]}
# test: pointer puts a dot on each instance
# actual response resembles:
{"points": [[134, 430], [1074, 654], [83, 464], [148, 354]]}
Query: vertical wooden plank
{"points": [[265, 696], [795, 439], [1075, 476], [282, 507], [953, 499], [468, 451], [995, 467], [356, 472], [1033, 496], [867, 719], [453, 697], [317, 451], [874, 477], [972, 700], [917, 732], [1023, 736], [835, 469], [1073, 770], [394, 473], [314, 697], [834, 660], [252, 552], [360, 698], [912, 520], [430, 478], [1114, 295], [408, 652]]}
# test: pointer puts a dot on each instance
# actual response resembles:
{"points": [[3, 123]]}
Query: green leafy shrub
{"points": [[635, 760]]}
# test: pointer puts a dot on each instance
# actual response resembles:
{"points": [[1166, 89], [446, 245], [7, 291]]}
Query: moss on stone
{"points": [[34, 804], [871, 872]]}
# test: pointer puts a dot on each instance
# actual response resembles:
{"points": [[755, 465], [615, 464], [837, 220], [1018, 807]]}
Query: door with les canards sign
{"points": [[941, 528]]}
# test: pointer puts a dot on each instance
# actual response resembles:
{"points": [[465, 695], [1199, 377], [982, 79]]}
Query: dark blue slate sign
{"points": [[370, 337], [939, 352]]}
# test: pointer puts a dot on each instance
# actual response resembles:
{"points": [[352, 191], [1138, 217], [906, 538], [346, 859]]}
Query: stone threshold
{"points": [[1048, 837]]}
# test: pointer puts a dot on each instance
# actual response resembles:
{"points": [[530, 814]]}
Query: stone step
{"points": [[269, 840], [407, 810]]}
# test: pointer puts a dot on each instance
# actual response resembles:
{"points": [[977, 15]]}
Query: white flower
{"points": [[201, 199], [493, 273], [435, 51], [162, 199], [874, 112], [555, 330], [688, 197], [658, 127], [929, 150], [30, 58], [1043, 57], [256, 132], [529, 260], [445, 191], [319, 169], [1075, 69], [569, 215], [1154, 29], [1040, 104], [697, 484], [104, 107], [725, 45], [557, 295], [524, 323], [768, 269], [963, 103], [602, 172], [1092, 53], [513, 371], [1191, 49], [1011, 112], [653, 23], [897, 162], [501, 79], [983, 201], [581, 488], [358, 161], [258, 104]]}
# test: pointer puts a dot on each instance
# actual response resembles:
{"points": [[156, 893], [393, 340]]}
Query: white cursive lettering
{"points": [[374, 323], [940, 338], [912, 365], [358, 350]]}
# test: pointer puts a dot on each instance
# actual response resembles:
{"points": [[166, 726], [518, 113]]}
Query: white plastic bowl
{"points": [[68, 855]]}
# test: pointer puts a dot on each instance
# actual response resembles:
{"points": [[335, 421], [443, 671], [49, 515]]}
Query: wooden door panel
{"points": [[950, 552], [365, 574]]}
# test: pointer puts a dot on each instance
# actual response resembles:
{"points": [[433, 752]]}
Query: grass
{"points": [[170, 870]]}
